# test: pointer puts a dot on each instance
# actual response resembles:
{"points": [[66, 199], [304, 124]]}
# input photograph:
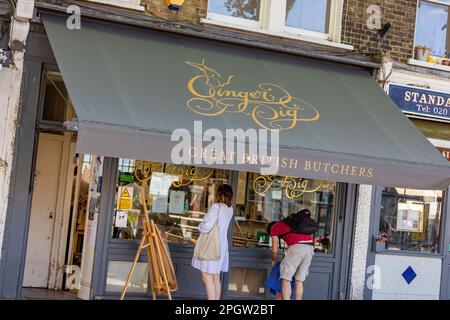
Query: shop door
{"points": [[43, 210]]}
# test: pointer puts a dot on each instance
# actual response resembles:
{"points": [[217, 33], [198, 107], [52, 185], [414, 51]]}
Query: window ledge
{"points": [[430, 65], [132, 5], [299, 37], [406, 253]]}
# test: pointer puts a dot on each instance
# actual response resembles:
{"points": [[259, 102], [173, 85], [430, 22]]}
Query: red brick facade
{"points": [[191, 11], [399, 41]]}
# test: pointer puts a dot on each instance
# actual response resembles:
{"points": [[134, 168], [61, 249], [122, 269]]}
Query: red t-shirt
{"points": [[280, 228]]}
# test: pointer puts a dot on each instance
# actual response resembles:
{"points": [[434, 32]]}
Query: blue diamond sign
{"points": [[409, 275]]}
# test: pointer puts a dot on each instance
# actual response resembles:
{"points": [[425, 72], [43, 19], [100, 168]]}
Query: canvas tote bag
{"points": [[208, 244]]}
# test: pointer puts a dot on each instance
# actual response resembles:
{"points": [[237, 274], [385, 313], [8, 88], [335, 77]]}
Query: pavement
{"points": [[46, 294]]}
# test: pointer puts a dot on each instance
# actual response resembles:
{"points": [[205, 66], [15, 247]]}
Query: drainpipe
{"points": [[10, 86], [384, 73]]}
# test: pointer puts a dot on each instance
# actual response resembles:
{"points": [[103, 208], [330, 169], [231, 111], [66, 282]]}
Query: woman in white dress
{"points": [[220, 212]]}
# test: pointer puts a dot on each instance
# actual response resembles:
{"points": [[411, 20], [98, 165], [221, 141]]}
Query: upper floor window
{"points": [[129, 4], [311, 18], [236, 9], [432, 39], [311, 15]]}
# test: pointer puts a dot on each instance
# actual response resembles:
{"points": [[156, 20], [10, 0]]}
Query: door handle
{"points": [[50, 215]]}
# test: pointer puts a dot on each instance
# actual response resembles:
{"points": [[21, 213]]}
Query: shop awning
{"points": [[131, 88]]}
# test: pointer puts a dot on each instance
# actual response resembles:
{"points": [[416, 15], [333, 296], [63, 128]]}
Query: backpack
{"points": [[301, 222]]}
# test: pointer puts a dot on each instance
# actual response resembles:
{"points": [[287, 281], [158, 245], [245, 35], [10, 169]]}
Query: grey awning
{"points": [[131, 88]]}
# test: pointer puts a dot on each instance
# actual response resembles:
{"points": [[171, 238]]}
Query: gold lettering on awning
{"points": [[270, 106]]}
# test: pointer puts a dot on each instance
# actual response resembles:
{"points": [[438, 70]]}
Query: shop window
{"points": [[177, 198], [432, 39], [289, 18], [262, 199], [247, 282], [410, 219]]}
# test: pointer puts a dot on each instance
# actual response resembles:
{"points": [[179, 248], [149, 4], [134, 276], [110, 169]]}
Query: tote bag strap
{"points": [[218, 213]]}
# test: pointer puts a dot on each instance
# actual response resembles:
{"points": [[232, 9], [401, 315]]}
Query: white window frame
{"points": [[272, 21], [128, 4], [426, 64], [235, 20]]}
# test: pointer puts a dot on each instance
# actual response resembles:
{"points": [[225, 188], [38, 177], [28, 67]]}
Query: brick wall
{"points": [[401, 14]]}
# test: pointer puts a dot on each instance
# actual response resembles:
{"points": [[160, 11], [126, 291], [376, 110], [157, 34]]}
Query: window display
{"points": [[272, 198], [410, 219], [178, 197]]}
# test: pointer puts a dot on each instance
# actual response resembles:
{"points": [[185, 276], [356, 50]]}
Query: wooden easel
{"points": [[160, 267]]}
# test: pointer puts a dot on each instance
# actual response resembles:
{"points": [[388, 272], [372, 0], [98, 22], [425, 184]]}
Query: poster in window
{"points": [[277, 194], [91, 231], [241, 186], [159, 204], [121, 219], [160, 184], [176, 204], [125, 198], [410, 217]]}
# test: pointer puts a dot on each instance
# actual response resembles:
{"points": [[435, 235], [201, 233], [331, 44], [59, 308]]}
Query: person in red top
{"points": [[297, 258]]}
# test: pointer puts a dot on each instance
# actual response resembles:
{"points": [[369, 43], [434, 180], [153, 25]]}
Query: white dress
{"points": [[225, 214]]}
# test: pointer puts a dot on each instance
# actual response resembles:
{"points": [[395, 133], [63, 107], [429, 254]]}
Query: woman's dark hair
{"points": [[225, 194]]}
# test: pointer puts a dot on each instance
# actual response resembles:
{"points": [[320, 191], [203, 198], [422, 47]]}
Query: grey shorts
{"points": [[296, 262]]}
